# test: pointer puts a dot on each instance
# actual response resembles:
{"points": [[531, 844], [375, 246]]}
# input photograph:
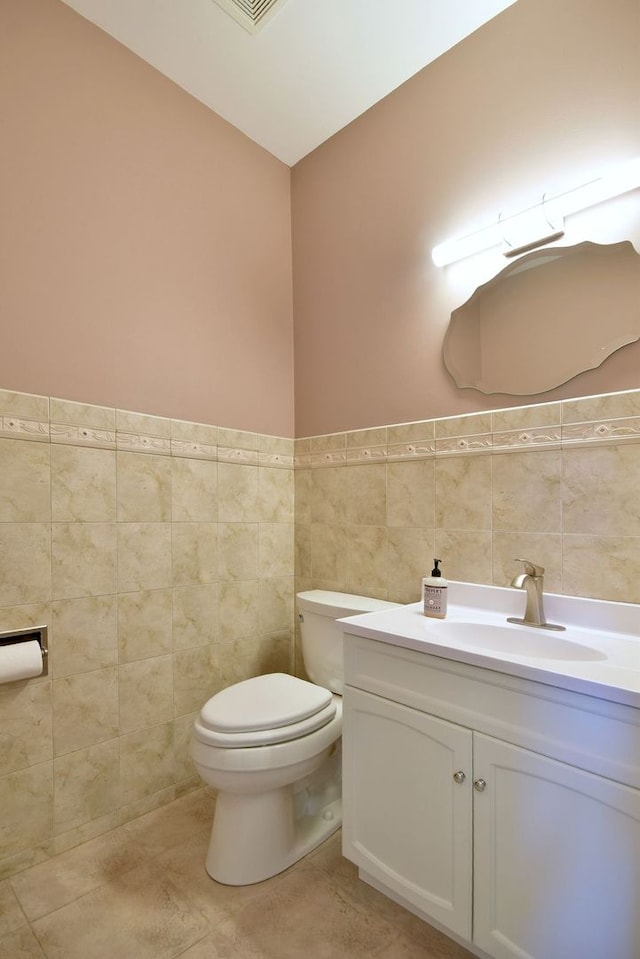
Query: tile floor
{"points": [[141, 892]]}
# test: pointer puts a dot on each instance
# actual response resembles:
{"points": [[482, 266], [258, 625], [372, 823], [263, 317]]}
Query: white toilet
{"points": [[270, 746]]}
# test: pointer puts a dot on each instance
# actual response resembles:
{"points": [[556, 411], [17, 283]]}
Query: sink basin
{"points": [[516, 640]]}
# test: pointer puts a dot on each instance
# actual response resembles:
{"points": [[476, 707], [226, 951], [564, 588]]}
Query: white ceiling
{"points": [[313, 67]]}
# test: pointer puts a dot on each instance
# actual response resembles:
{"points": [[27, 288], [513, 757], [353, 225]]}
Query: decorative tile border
{"points": [[543, 431], [13, 426], [143, 443], [82, 436], [77, 424], [188, 450]]}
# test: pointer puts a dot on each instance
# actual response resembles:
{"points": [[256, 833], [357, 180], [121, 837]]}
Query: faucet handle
{"points": [[531, 568]]}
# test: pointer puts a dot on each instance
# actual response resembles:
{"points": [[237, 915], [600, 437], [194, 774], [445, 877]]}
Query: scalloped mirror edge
{"points": [[545, 318]]}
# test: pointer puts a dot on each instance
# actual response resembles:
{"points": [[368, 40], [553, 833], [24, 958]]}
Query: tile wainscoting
{"points": [[554, 482], [161, 554]]}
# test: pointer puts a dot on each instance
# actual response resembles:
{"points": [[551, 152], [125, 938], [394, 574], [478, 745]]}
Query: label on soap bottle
{"points": [[435, 601]]}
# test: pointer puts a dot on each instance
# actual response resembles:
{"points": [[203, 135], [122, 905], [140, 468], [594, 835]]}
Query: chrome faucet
{"points": [[531, 580]]}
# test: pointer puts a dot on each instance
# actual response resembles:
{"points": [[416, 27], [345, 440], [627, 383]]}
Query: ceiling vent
{"points": [[251, 14]]}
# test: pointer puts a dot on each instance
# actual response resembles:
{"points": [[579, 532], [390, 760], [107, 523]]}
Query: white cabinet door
{"points": [[556, 858], [407, 820]]}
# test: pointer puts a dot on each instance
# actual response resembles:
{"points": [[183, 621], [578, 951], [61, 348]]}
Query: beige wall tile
{"points": [[602, 567], [463, 492], [363, 439], [86, 785], [543, 549], [329, 552], [29, 406], [465, 554], [25, 725], [526, 417], [329, 495], [275, 495], [84, 634], [328, 443], [367, 559], [144, 488], [601, 490], [244, 658], [527, 492], [194, 432], [85, 710], [239, 607], [303, 484], [144, 624], [237, 493], [194, 490], [182, 730], [141, 423], [196, 677], [194, 551], [146, 762], [275, 549], [25, 487], [410, 493], [409, 433], [83, 485], [145, 693], [367, 495], [25, 563], [302, 551], [238, 551], [469, 425], [237, 439], [83, 559], [590, 408], [410, 558], [82, 414], [195, 615], [26, 800], [275, 604], [275, 444], [144, 556]]}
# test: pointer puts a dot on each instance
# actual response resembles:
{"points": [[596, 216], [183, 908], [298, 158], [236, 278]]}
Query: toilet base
{"points": [[256, 836]]}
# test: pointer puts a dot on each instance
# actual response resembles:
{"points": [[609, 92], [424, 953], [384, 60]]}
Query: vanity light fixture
{"points": [[541, 223]]}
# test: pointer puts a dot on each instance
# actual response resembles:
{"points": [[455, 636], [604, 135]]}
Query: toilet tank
{"points": [[321, 634]]}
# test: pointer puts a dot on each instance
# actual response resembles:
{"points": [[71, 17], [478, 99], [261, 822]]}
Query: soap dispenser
{"points": [[434, 593]]}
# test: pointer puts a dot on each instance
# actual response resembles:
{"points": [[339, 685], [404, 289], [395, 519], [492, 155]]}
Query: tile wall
{"points": [[557, 483], [160, 554]]}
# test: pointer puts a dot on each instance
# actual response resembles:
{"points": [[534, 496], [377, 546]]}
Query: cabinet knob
{"points": [[459, 776], [480, 785]]}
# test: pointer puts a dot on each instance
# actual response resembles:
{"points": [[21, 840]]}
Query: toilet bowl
{"points": [[270, 747]]}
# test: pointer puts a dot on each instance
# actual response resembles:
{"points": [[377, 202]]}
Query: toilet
{"points": [[270, 747]]}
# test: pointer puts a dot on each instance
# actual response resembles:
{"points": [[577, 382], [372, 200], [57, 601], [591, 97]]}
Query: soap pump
{"points": [[434, 593]]}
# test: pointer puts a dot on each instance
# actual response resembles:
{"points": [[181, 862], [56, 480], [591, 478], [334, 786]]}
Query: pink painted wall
{"points": [[536, 100], [145, 244]]}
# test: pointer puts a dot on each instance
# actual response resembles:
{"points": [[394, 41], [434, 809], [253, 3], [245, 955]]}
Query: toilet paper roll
{"points": [[20, 661]]}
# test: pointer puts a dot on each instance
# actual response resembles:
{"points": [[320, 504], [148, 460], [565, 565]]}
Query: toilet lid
{"points": [[265, 737], [266, 702]]}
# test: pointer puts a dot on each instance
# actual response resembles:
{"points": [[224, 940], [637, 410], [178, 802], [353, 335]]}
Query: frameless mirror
{"points": [[546, 317]]}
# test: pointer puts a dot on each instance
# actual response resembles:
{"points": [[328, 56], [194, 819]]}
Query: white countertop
{"points": [[608, 632]]}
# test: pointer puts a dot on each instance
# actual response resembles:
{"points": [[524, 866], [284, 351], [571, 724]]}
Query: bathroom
{"points": [[151, 394]]}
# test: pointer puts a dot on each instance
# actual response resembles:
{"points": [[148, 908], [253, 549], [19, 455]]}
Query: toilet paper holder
{"points": [[39, 633]]}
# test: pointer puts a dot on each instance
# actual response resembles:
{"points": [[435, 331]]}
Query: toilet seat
{"points": [[264, 710]]}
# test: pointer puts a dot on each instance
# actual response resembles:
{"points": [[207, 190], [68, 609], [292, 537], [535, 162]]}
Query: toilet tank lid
{"points": [[264, 702], [329, 603]]}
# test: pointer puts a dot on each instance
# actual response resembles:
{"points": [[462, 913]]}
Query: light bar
{"points": [[541, 223]]}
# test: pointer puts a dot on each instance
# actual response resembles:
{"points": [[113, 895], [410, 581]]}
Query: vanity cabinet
{"points": [[505, 811]]}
